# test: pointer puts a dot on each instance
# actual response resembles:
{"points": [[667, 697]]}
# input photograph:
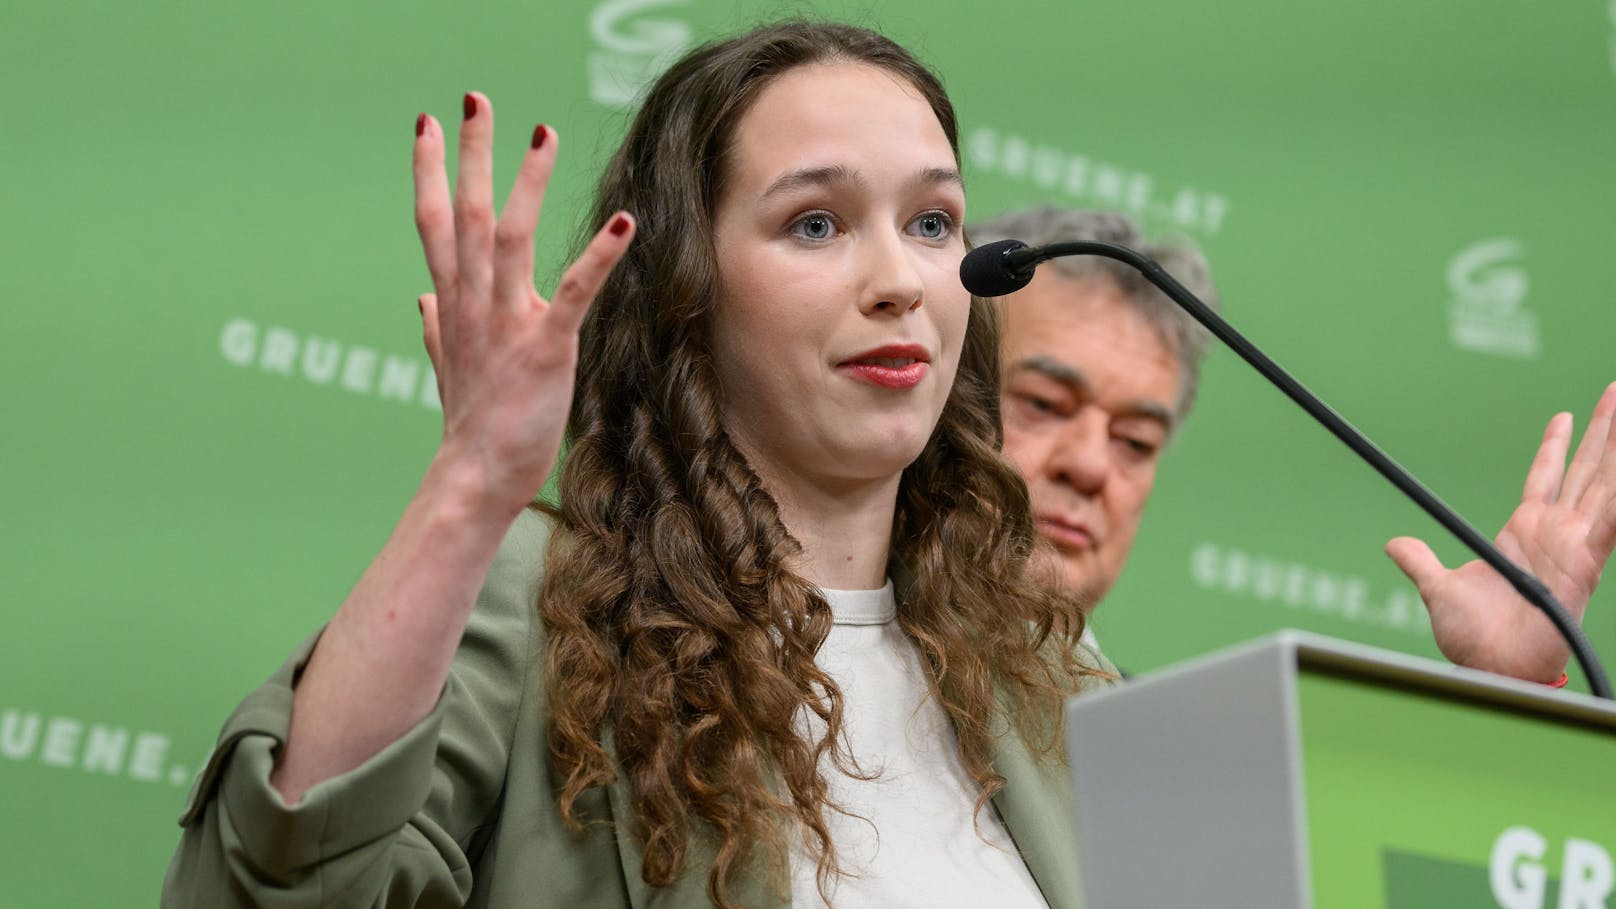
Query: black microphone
{"points": [[996, 269]]}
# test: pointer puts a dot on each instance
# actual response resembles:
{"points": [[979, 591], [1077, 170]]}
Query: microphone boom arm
{"points": [[1528, 586]]}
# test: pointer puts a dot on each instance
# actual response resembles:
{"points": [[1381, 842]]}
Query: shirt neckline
{"points": [[862, 607]]}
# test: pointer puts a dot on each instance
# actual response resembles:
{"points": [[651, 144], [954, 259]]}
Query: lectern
{"points": [[1301, 772]]}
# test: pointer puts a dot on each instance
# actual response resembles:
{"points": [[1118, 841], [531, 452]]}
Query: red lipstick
{"points": [[889, 366]]}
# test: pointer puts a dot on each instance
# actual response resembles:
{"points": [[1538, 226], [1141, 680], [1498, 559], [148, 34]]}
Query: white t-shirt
{"points": [[1089, 639], [914, 841]]}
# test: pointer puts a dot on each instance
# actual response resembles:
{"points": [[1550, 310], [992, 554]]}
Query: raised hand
{"points": [[1563, 532], [505, 357]]}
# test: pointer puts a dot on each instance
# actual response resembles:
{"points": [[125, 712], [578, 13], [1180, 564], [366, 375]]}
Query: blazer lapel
{"points": [[628, 844], [1036, 805], [689, 891]]}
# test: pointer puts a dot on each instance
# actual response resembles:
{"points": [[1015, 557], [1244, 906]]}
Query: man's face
{"points": [[1089, 396]]}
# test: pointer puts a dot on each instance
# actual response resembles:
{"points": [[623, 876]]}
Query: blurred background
{"points": [[217, 403]]}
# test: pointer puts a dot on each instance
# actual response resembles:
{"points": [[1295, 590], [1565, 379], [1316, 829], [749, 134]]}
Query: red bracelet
{"points": [[1559, 682]]}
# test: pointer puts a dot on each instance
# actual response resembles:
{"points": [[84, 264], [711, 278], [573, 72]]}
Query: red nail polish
{"points": [[420, 124], [540, 133], [469, 106], [619, 226]]}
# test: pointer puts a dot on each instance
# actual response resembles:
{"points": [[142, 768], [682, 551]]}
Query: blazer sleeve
{"points": [[402, 829]]}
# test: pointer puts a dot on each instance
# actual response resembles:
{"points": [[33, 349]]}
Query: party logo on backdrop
{"points": [[1487, 312], [632, 49]]}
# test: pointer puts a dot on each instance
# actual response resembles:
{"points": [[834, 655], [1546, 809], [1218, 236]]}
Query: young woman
{"points": [[777, 643]]}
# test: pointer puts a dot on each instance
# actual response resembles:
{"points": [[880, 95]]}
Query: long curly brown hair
{"points": [[675, 628]]}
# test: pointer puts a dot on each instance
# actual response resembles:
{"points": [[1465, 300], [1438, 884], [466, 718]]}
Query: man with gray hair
{"points": [[1100, 368]]}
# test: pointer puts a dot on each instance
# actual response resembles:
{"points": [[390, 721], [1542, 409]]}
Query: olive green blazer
{"points": [[461, 810]]}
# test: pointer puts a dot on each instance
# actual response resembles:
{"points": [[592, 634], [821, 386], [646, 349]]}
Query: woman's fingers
{"points": [[432, 337], [584, 278], [474, 206], [513, 236], [474, 256], [434, 213], [431, 334]]}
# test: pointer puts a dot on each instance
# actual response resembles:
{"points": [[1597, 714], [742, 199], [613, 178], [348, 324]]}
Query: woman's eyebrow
{"points": [[834, 174], [815, 177], [933, 176]]}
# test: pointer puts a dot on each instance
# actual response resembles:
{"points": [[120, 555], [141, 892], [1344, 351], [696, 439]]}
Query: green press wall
{"points": [[214, 403]]}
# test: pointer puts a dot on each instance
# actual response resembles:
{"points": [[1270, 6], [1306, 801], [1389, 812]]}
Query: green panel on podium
{"points": [[1306, 773], [1408, 794]]}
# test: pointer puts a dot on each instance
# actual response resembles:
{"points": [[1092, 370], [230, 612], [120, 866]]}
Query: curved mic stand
{"points": [[1025, 259]]}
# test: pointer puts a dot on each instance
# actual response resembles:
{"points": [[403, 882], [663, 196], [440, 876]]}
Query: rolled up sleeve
{"points": [[401, 829]]}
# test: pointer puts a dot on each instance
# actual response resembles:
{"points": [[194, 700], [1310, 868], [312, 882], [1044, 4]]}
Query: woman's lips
{"points": [[1065, 535], [889, 366], [887, 376]]}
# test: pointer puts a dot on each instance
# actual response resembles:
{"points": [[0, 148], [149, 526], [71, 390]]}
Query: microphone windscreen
{"points": [[986, 272]]}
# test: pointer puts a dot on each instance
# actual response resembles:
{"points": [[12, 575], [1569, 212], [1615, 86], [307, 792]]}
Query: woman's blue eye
{"points": [[815, 227], [933, 225]]}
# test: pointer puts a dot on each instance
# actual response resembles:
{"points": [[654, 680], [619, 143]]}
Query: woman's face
{"points": [[839, 328]]}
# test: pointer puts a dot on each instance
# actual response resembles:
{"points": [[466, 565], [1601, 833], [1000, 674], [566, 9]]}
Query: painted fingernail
{"points": [[469, 106], [619, 225], [420, 124], [540, 133]]}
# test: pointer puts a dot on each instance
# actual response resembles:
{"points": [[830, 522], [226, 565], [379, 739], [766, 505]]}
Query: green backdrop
{"points": [[215, 389]]}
